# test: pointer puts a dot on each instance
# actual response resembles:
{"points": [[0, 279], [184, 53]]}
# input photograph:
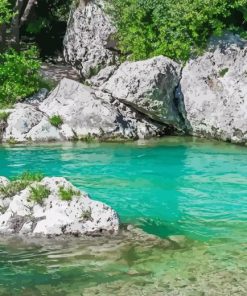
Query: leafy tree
{"points": [[176, 29], [5, 12], [19, 76], [5, 17]]}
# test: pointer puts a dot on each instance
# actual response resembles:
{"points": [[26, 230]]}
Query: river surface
{"points": [[193, 189]]}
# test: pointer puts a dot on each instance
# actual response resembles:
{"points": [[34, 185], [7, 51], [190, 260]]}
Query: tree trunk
{"points": [[27, 11], [15, 25]]}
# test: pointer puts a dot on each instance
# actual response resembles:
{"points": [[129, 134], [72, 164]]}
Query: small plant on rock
{"points": [[19, 183], [223, 72], [30, 176], [12, 188], [39, 193], [56, 120], [87, 215], [66, 194]]}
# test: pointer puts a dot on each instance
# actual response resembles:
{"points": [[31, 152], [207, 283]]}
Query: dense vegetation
{"points": [[146, 28], [175, 29], [24, 23], [19, 76]]}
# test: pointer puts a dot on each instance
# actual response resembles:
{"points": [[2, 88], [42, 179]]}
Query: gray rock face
{"points": [[27, 122], [148, 86], [88, 41], [53, 216], [214, 88], [87, 112]]}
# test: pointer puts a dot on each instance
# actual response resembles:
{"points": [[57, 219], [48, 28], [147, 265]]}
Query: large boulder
{"points": [[81, 113], [61, 210], [26, 122], [88, 44], [214, 88], [90, 113], [148, 86]]}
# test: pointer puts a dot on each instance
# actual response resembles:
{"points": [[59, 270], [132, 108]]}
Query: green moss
{"points": [[12, 141], [223, 72], [66, 194], [56, 120], [87, 138], [39, 193]]}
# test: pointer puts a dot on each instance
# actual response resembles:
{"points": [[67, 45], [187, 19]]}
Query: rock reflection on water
{"points": [[132, 263]]}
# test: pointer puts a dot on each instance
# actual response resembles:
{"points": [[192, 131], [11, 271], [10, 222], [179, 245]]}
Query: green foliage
{"points": [[19, 183], [5, 12], [30, 177], [12, 188], [66, 194], [4, 116], [39, 193], [175, 29], [56, 120], [19, 76]]}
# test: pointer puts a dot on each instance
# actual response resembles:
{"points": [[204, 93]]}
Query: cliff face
{"points": [[88, 44]]}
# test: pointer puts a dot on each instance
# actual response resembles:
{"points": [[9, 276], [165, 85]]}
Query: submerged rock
{"points": [[88, 44], [148, 86], [214, 88], [54, 206]]}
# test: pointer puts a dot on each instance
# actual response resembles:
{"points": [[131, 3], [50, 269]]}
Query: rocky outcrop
{"points": [[148, 86], [84, 113], [28, 123], [88, 44], [87, 112], [214, 89], [53, 207]]}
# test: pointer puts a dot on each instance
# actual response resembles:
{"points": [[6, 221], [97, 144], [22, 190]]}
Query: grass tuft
{"points": [[39, 193], [66, 194], [56, 120]]}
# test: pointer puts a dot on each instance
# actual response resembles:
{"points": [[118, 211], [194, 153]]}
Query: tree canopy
{"points": [[175, 29]]}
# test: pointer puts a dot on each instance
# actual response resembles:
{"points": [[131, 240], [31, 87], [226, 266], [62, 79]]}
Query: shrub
{"points": [[39, 193], [66, 194], [4, 116], [5, 12], [56, 120], [19, 76], [175, 29]]}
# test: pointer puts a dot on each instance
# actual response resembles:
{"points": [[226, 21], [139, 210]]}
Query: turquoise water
{"points": [[173, 186]]}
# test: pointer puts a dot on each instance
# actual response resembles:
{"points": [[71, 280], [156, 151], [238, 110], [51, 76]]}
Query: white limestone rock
{"points": [[28, 123], [88, 40], [149, 86], [54, 216], [214, 88], [90, 113]]}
